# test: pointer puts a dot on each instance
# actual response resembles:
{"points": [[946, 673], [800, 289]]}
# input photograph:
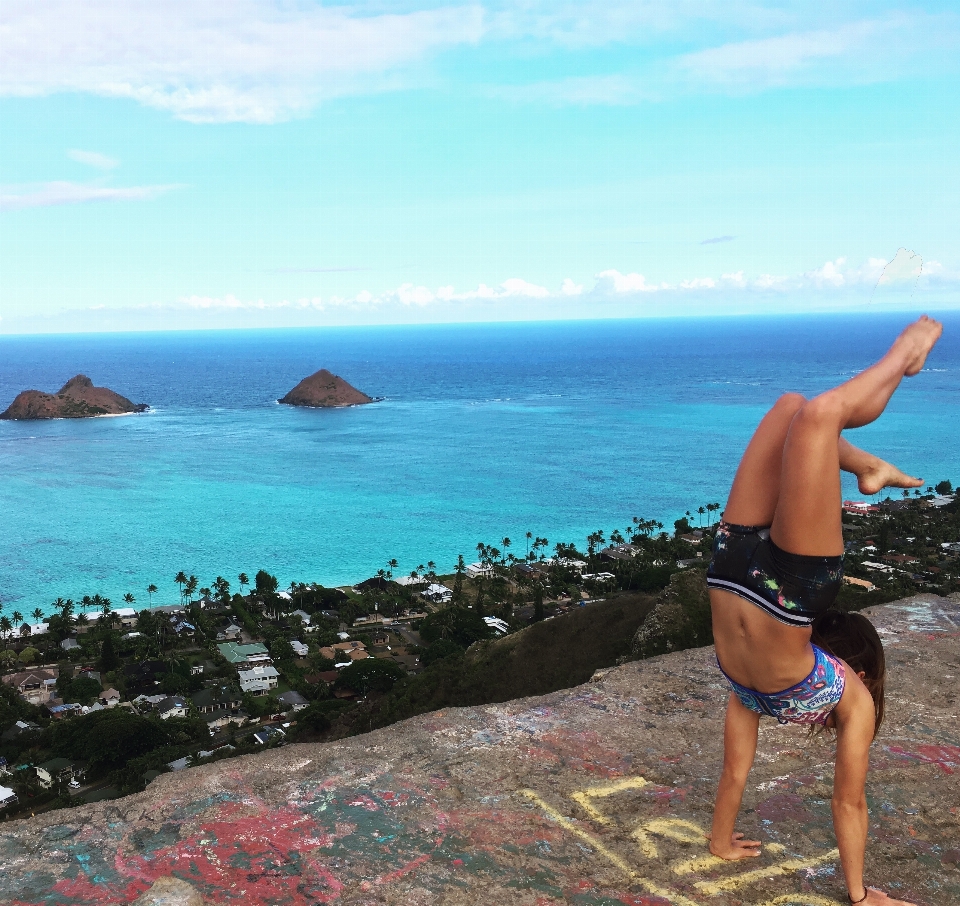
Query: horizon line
{"points": [[713, 316]]}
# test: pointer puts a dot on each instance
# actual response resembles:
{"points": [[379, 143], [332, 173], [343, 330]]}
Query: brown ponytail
{"points": [[852, 638]]}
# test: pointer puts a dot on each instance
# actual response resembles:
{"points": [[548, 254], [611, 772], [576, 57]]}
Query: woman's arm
{"points": [[855, 719], [739, 747]]}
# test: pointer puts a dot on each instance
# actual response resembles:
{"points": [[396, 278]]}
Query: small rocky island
{"points": [[78, 398], [325, 390]]}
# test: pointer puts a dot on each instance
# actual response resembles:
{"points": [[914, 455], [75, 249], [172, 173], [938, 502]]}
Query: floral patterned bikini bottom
{"points": [[808, 702]]}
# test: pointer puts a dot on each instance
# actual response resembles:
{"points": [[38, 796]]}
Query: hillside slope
{"points": [[593, 796], [555, 654]]}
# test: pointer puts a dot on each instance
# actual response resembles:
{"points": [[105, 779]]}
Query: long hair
{"points": [[851, 637]]}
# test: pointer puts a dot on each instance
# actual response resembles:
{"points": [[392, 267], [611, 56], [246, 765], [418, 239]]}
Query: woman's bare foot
{"points": [[917, 340], [737, 848], [879, 898], [881, 474]]}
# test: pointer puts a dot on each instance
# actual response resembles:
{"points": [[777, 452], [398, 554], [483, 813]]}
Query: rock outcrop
{"points": [[78, 398], [324, 390], [680, 619], [593, 796]]}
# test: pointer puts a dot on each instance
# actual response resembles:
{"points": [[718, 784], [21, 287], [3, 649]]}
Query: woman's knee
{"points": [[790, 403], [823, 411]]}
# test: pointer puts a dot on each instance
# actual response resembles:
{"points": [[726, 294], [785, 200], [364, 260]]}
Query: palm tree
{"points": [[151, 591], [700, 513], [82, 620], [86, 602], [128, 598], [190, 588], [391, 566], [181, 579], [243, 579], [529, 536], [6, 628], [17, 618], [37, 614]]}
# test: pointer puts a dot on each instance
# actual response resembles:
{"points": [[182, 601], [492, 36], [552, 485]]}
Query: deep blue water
{"points": [[485, 431]]}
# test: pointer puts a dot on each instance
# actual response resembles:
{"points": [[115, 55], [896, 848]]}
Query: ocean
{"points": [[485, 431]]}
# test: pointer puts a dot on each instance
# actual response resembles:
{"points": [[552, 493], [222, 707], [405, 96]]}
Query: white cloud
{"points": [[48, 194], [218, 62], [786, 53], [835, 279], [829, 274], [93, 159], [698, 283], [614, 281]]}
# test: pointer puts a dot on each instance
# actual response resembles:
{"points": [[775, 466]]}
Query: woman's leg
{"points": [[756, 486], [807, 518], [873, 473]]}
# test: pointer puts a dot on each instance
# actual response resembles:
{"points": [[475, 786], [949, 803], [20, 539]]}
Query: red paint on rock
{"points": [[947, 757]]}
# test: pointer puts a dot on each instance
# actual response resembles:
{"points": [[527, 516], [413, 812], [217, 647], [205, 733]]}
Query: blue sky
{"points": [[175, 165]]}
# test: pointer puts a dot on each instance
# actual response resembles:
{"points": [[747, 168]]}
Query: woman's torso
{"points": [[756, 650]]}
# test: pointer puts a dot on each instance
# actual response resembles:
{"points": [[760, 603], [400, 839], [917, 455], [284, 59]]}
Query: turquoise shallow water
{"points": [[485, 431]]}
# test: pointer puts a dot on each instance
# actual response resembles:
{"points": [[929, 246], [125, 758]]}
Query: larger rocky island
{"points": [[78, 398], [324, 390]]}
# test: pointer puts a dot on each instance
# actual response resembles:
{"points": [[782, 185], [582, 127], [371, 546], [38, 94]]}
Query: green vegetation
{"points": [[546, 656]]}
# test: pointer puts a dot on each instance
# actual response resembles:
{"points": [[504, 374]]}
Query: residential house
{"points": [[496, 624], [437, 594], [860, 583], [69, 644], [245, 655], [268, 734], [293, 701], [216, 698], [299, 649], [110, 698], [56, 770], [34, 686], [7, 797], [144, 704], [229, 632], [859, 507], [303, 616], [900, 559], [172, 706], [344, 652], [626, 552], [479, 570], [18, 729], [217, 720], [68, 709], [184, 629], [258, 679]]}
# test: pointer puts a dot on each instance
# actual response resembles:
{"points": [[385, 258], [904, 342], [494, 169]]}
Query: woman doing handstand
{"points": [[777, 565]]}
